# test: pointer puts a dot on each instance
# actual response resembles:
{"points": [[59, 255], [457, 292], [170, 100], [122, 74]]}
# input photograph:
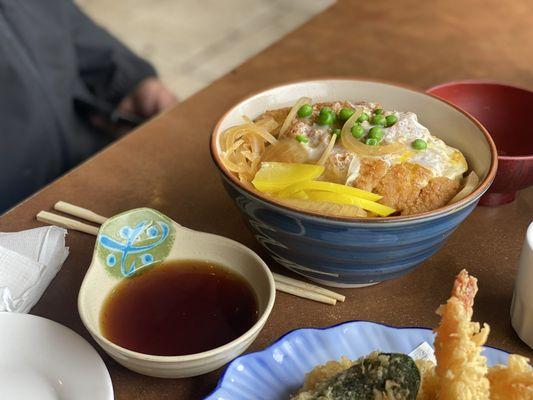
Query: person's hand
{"points": [[149, 98]]}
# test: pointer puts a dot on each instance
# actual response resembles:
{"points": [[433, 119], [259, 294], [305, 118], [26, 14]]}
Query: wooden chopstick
{"points": [[79, 212], [283, 283], [308, 286], [54, 219], [298, 291]]}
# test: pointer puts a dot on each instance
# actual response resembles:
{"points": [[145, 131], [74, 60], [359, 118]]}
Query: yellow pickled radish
{"points": [[297, 195], [326, 208], [300, 196], [380, 209], [329, 187], [273, 177]]}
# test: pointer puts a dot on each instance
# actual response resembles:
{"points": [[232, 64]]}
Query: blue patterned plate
{"points": [[279, 370]]}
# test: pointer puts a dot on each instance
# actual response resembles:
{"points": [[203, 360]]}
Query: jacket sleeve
{"points": [[108, 68]]}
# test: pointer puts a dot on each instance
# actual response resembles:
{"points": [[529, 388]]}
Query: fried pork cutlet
{"points": [[402, 184], [371, 171], [407, 187], [437, 193]]}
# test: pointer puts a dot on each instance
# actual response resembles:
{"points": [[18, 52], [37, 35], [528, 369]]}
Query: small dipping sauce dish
{"points": [[170, 302]]}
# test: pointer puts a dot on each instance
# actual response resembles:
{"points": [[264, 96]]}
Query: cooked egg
{"points": [[439, 158], [442, 160]]}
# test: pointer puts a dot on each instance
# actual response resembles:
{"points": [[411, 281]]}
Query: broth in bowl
{"points": [[344, 158]]}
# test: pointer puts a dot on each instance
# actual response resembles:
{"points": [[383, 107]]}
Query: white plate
{"points": [[43, 360]]}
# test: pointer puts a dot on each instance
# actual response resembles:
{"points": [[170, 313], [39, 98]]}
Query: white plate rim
{"points": [[104, 384]]}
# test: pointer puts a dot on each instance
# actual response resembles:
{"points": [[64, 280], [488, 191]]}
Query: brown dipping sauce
{"points": [[178, 308]]}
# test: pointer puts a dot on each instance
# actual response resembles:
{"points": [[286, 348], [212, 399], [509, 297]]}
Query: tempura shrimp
{"points": [[461, 369]]}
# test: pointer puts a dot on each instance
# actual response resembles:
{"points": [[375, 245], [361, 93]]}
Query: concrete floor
{"points": [[194, 42]]}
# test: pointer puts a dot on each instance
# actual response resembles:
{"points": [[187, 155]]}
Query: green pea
{"points": [[345, 113], [363, 117], [371, 142], [326, 116], [391, 120], [326, 119], [357, 131], [305, 111], [379, 120], [334, 116], [336, 131], [378, 111], [302, 138], [375, 133], [419, 144]]}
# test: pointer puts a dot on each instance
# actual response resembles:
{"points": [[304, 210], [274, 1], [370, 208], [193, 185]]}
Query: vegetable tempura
{"points": [[461, 372]]}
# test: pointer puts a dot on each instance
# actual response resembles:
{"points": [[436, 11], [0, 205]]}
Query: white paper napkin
{"points": [[29, 260]]}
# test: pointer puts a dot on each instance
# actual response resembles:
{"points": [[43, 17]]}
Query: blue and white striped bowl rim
{"points": [[279, 370]]}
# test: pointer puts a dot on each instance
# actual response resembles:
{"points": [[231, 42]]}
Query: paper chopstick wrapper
{"points": [[423, 352], [29, 260]]}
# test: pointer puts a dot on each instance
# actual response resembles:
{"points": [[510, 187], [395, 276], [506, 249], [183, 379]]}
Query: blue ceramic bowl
{"points": [[351, 252], [279, 370]]}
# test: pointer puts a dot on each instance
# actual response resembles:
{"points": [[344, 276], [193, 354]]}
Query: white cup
{"points": [[522, 305]]}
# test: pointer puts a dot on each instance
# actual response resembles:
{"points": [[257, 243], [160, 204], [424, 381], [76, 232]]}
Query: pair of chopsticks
{"points": [[283, 283]]}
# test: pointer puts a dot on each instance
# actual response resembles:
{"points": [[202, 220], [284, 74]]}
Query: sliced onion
{"points": [[235, 145], [243, 146], [471, 182], [266, 135], [327, 150], [233, 167], [260, 130], [286, 150], [268, 123], [353, 144], [292, 113]]}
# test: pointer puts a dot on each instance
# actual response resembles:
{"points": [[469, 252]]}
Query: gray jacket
{"points": [[52, 59]]}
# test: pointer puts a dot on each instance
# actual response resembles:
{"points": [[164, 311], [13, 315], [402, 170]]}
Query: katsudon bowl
{"points": [[347, 251]]}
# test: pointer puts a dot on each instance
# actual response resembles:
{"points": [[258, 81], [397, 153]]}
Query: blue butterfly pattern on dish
{"points": [[158, 232]]}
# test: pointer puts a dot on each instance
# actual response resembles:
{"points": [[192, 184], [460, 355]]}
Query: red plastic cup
{"points": [[507, 114]]}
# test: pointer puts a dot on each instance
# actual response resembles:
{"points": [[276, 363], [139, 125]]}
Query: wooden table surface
{"points": [[165, 164]]}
